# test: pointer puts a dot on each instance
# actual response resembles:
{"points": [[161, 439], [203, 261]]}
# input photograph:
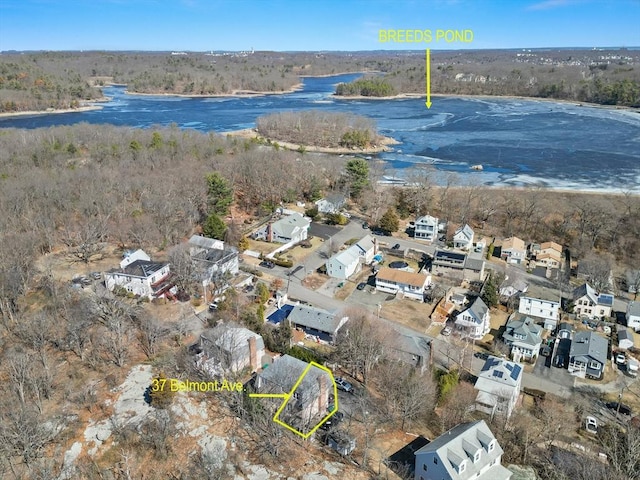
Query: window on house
{"points": [[462, 466], [424, 467], [476, 457], [492, 445], [435, 460], [594, 365]]}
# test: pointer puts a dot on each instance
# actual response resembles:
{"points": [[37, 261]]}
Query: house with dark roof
{"points": [[316, 322], [399, 282], [588, 303], [524, 338], [212, 258], [139, 275], [426, 228], [475, 320], [467, 451], [309, 400], [498, 386], [588, 355], [457, 265], [228, 349], [513, 286], [463, 237]]}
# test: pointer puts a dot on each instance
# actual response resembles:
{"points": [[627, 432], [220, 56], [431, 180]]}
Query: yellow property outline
{"points": [[287, 397]]}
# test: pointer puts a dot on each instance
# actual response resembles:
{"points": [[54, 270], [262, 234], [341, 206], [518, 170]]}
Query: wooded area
{"points": [[37, 81], [318, 129]]}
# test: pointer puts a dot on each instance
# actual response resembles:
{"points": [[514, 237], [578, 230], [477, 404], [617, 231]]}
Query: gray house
{"points": [[310, 399], [467, 451], [588, 355], [229, 349], [212, 258], [316, 322], [524, 338]]}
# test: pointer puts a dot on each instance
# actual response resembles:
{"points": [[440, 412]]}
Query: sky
{"points": [[287, 25]]}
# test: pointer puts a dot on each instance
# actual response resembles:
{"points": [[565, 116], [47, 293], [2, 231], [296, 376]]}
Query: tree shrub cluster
{"points": [[366, 87], [318, 128]]}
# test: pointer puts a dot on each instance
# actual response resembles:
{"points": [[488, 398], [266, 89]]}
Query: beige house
{"points": [[512, 250]]}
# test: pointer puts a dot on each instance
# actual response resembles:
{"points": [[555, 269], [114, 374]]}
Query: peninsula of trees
{"points": [[319, 129]]}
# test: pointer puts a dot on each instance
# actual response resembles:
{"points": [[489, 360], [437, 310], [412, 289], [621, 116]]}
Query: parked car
{"points": [[344, 385], [481, 355], [267, 264], [365, 225], [558, 361], [96, 275], [361, 286], [545, 351], [446, 331], [396, 247], [621, 359], [620, 408], [591, 425], [333, 421], [213, 306]]}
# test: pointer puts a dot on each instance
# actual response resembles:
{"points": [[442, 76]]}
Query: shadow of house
{"points": [[403, 462]]}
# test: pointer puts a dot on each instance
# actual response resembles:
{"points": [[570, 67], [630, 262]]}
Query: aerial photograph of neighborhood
{"points": [[319, 239]]}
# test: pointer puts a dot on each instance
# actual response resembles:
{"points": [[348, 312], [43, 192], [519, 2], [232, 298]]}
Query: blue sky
{"points": [[202, 25]]}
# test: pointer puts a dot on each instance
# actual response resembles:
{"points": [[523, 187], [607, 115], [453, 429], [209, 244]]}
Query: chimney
{"points": [[323, 397], [253, 354], [375, 246]]}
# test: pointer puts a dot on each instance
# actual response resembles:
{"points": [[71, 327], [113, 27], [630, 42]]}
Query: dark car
{"points": [[620, 408], [267, 264], [396, 247], [558, 361], [481, 355], [545, 351], [365, 225], [361, 286], [333, 421]]}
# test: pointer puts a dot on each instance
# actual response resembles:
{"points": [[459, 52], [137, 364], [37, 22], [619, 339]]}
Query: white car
{"points": [[591, 425], [446, 331], [621, 359]]}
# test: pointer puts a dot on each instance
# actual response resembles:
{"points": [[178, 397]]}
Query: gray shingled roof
{"points": [[478, 309], [526, 328], [634, 308], [285, 371], [589, 345], [315, 318], [462, 442]]}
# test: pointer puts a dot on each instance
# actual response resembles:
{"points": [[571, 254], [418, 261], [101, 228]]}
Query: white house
{"points": [[292, 228], [549, 255], [426, 228], [475, 320], [347, 262], [588, 303], [139, 275], [513, 286], [524, 338], [467, 451], [408, 284], [625, 338], [331, 203], [463, 237], [633, 316], [547, 310], [498, 386]]}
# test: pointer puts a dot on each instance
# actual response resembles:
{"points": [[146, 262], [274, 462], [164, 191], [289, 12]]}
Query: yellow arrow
{"points": [[428, 61]]}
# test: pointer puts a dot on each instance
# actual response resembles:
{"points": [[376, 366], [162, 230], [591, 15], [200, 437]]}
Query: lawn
{"points": [[411, 313]]}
